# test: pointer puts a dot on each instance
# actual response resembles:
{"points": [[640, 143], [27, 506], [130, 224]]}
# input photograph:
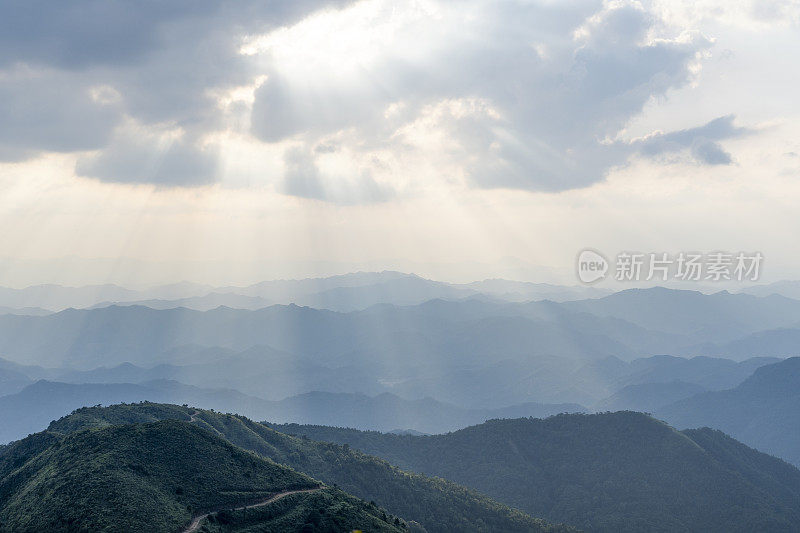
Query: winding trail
{"points": [[194, 420], [197, 520], [195, 525]]}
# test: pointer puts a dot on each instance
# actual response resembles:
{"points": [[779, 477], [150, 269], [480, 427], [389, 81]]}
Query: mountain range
{"points": [[347, 292], [763, 411], [431, 367], [434, 505], [626, 325], [158, 477], [609, 472], [758, 410], [616, 472], [33, 408]]}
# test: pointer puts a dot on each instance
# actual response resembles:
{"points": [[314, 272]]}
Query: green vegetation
{"points": [[156, 477], [141, 413], [329, 510], [611, 472], [146, 477], [436, 504]]}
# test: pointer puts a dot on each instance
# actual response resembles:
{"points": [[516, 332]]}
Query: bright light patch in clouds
{"points": [[549, 114], [554, 83], [342, 43], [343, 117]]}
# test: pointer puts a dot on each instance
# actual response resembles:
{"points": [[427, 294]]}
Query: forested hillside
{"points": [[620, 471], [156, 477], [439, 505]]}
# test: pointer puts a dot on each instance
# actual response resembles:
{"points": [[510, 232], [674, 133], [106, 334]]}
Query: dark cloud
{"points": [[53, 112], [164, 61], [160, 160], [83, 33], [709, 152], [702, 141]]}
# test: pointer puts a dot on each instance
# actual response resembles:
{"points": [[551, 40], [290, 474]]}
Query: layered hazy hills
{"points": [[11, 379], [430, 400], [156, 477], [380, 336], [436, 504], [610, 472], [445, 363], [648, 397], [654, 382], [437, 332], [345, 292], [692, 393], [721, 315], [33, 408], [554, 379], [717, 317], [780, 341], [788, 288], [763, 411]]}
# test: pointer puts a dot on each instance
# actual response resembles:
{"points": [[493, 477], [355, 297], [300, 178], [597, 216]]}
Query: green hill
{"points": [[156, 477], [438, 505], [328, 510], [620, 471]]}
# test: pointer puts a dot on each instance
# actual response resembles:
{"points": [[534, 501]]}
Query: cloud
{"points": [[304, 179], [557, 83], [73, 73], [302, 176], [701, 141], [52, 112], [376, 95], [86, 33], [140, 155]]}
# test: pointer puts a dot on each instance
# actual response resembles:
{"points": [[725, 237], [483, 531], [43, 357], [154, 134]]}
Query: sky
{"points": [[230, 142]]}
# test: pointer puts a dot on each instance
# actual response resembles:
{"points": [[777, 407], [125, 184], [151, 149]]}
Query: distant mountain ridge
{"points": [[474, 353], [648, 397], [275, 375], [780, 342], [347, 292], [763, 411], [788, 288], [467, 331], [86, 338], [585, 382], [720, 315], [32, 409]]}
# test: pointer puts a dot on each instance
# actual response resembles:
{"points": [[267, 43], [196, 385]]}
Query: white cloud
{"points": [[72, 72], [560, 80], [363, 101]]}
